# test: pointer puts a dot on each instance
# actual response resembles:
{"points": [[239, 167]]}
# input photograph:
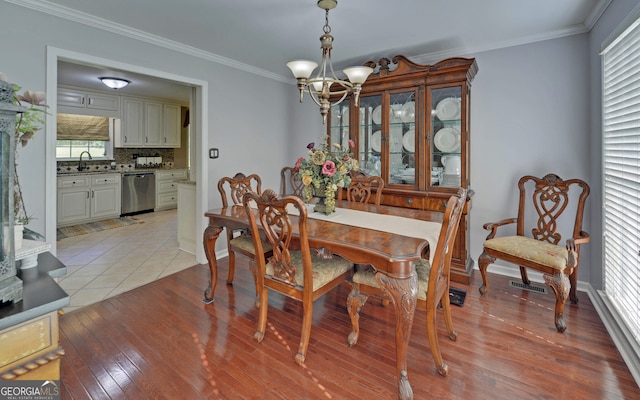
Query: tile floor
{"points": [[103, 264]]}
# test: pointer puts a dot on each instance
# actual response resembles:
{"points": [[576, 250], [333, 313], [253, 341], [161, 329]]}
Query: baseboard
{"points": [[628, 347]]}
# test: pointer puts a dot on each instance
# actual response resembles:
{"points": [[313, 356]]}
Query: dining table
{"points": [[391, 239]]}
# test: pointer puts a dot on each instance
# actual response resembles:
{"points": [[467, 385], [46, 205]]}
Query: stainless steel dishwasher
{"points": [[138, 192]]}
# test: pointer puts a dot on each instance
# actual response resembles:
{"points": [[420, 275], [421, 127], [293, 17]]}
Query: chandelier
{"points": [[320, 87]]}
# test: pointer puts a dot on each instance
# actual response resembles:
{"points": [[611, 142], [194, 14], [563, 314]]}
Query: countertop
{"points": [[76, 173], [40, 292]]}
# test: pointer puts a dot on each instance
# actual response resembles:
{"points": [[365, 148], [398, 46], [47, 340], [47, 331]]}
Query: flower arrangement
{"points": [[326, 168], [28, 124]]}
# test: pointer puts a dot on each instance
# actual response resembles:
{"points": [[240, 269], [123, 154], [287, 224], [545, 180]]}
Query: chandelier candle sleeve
{"points": [[320, 87]]}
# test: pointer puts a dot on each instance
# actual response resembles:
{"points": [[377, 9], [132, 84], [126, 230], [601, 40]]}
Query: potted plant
{"points": [[28, 124]]}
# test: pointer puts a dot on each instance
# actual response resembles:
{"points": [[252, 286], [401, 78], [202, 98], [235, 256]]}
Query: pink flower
{"points": [[329, 168], [31, 97], [298, 162], [311, 146], [352, 144]]}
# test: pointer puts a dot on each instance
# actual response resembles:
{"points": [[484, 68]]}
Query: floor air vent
{"points": [[531, 288]]}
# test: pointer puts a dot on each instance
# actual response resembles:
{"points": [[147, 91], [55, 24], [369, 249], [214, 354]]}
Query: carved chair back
{"points": [[291, 182], [441, 266], [273, 217], [239, 240], [238, 186], [542, 203], [363, 188]]}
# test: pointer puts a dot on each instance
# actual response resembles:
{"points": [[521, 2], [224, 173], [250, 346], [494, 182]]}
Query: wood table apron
{"points": [[392, 255]]}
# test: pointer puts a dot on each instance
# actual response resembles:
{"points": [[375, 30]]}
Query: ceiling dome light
{"points": [[114, 83]]}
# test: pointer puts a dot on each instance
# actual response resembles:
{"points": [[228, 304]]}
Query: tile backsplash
{"points": [[125, 160]]}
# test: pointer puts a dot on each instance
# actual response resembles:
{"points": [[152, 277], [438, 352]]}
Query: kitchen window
{"points": [[71, 149], [79, 133]]}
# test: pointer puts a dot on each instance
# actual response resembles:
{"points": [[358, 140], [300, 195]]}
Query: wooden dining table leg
{"points": [[210, 236], [404, 294]]}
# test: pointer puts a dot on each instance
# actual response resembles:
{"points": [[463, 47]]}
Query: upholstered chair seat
{"points": [[531, 250]]}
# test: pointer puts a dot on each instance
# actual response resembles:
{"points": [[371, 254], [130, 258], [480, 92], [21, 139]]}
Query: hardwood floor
{"points": [[160, 341]]}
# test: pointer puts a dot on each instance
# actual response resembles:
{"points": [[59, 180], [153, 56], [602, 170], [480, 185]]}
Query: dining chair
{"points": [[290, 182], [541, 208], [240, 240], [433, 283], [363, 188], [294, 269]]}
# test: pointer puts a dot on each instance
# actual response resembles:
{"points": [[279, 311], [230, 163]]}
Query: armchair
{"points": [[548, 198]]}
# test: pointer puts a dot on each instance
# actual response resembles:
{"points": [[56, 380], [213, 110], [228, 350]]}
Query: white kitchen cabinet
{"points": [[88, 198], [149, 123], [167, 188], [73, 199], [105, 195], [153, 122], [172, 125], [79, 101], [132, 132]]}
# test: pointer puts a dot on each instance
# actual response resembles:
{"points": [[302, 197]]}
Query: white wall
{"points": [[529, 116]]}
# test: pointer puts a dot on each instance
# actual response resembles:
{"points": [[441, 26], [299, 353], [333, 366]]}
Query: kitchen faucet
{"points": [[80, 167]]}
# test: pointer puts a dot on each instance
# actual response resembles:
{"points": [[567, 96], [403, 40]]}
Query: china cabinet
{"points": [[412, 128]]}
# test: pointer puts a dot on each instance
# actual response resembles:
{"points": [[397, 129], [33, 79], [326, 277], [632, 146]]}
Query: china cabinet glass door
{"points": [[402, 138], [387, 137], [370, 138], [339, 124], [446, 136]]}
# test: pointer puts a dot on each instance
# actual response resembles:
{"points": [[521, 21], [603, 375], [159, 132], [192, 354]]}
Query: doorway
{"points": [[198, 125]]}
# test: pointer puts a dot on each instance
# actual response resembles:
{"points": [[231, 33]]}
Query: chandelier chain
{"points": [[326, 28]]}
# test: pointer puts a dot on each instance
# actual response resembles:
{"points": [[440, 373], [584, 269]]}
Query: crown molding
{"points": [[596, 13], [466, 51], [110, 26]]}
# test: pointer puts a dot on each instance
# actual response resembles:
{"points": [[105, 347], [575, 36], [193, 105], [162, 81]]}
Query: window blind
{"points": [[621, 175], [82, 127]]}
